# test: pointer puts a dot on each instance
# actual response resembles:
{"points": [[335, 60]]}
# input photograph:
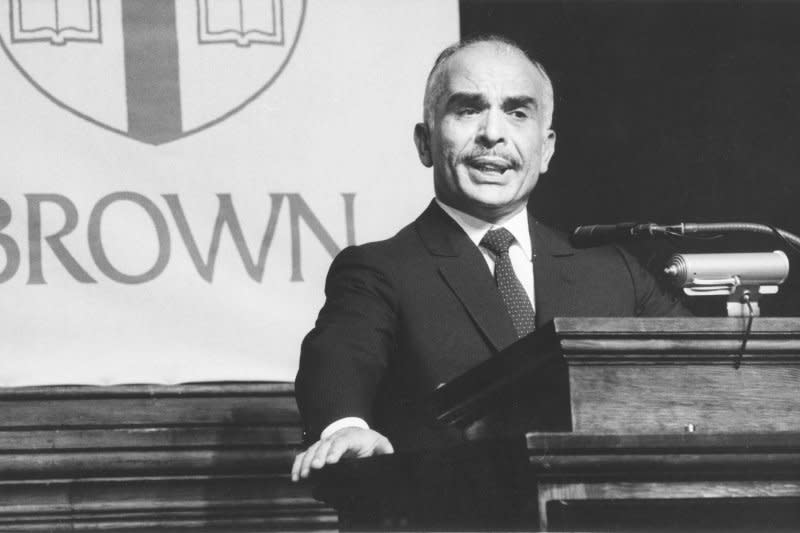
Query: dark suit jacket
{"points": [[414, 311]]}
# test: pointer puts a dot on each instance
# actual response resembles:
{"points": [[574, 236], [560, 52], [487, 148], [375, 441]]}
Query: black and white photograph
{"points": [[400, 265]]}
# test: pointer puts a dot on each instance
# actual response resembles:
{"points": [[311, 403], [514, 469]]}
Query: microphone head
{"points": [[601, 234], [757, 268]]}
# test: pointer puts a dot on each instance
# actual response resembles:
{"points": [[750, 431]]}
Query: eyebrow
{"points": [[478, 100], [515, 102]]}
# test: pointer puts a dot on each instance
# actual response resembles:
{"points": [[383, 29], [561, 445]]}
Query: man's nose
{"points": [[492, 128]]}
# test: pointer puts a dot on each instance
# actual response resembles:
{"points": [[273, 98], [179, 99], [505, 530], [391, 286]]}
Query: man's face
{"points": [[487, 142]]}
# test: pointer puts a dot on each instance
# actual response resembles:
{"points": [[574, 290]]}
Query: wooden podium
{"points": [[663, 424]]}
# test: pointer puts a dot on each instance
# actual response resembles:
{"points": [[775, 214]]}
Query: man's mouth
{"points": [[490, 164]]}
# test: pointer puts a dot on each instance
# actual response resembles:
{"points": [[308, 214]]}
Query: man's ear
{"points": [[422, 139], [548, 149]]}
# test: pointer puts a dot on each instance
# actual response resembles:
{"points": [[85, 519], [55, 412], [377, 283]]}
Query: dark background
{"points": [[667, 112]]}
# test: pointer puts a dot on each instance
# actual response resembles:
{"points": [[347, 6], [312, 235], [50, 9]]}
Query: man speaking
{"points": [[474, 273]]}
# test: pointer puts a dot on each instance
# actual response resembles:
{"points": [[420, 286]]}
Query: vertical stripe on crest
{"points": [[151, 70]]}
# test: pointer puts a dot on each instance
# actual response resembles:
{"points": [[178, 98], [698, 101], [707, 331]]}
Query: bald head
{"points": [[437, 78]]}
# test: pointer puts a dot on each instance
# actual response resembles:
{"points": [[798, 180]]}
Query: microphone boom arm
{"points": [[594, 235], [686, 228]]}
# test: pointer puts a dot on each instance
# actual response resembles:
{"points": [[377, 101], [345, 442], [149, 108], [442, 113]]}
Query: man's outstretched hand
{"points": [[346, 442]]}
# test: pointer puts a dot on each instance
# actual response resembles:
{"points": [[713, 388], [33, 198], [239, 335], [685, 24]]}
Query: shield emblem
{"points": [[153, 70]]}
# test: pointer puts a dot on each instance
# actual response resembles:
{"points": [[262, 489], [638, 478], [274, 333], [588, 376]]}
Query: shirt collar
{"points": [[475, 228]]}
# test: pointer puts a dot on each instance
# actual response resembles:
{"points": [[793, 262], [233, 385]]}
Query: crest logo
{"points": [[153, 70]]}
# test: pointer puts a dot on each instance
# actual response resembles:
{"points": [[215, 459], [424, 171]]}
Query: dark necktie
{"points": [[516, 299]]}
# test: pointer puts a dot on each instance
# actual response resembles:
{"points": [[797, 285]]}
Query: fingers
{"points": [[383, 446], [313, 458], [298, 460], [305, 463], [356, 442], [338, 448], [318, 461]]}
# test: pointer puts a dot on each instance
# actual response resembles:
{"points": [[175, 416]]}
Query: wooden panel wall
{"points": [[204, 457]]}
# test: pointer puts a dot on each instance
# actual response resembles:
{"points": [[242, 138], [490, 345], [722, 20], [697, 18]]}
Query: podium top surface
{"points": [[592, 326], [697, 340]]}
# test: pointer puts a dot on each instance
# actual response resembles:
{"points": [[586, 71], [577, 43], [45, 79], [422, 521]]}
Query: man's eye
{"points": [[519, 113], [467, 111]]}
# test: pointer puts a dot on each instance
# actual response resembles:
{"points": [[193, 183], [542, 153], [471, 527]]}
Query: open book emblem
{"points": [[155, 71], [242, 22], [54, 21]]}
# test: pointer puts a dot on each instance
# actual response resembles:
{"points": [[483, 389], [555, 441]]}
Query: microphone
{"points": [[598, 234], [751, 269], [595, 235]]}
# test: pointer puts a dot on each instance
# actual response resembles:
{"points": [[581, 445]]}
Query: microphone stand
{"points": [[686, 228]]}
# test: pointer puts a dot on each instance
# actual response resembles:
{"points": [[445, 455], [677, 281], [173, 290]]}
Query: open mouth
{"points": [[490, 165]]}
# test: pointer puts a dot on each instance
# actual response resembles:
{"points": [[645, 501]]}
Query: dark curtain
{"points": [[668, 112]]}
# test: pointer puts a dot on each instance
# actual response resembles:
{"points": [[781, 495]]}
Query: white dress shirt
{"points": [[520, 252]]}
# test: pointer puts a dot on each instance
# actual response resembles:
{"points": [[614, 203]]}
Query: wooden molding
{"points": [[678, 340], [199, 456]]}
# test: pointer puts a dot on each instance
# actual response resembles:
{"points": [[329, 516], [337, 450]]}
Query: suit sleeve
{"points": [[651, 299], [344, 358]]}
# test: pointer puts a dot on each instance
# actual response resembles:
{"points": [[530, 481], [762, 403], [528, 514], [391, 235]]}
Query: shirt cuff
{"points": [[347, 422]]}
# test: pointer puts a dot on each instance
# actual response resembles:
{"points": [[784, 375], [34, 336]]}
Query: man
{"points": [[403, 316]]}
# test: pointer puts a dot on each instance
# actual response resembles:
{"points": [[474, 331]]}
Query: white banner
{"points": [[177, 175]]}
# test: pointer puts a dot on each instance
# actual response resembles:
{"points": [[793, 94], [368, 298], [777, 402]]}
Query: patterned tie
{"points": [[516, 299]]}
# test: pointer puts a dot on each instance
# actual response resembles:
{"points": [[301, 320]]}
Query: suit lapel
{"points": [[554, 277], [464, 269]]}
